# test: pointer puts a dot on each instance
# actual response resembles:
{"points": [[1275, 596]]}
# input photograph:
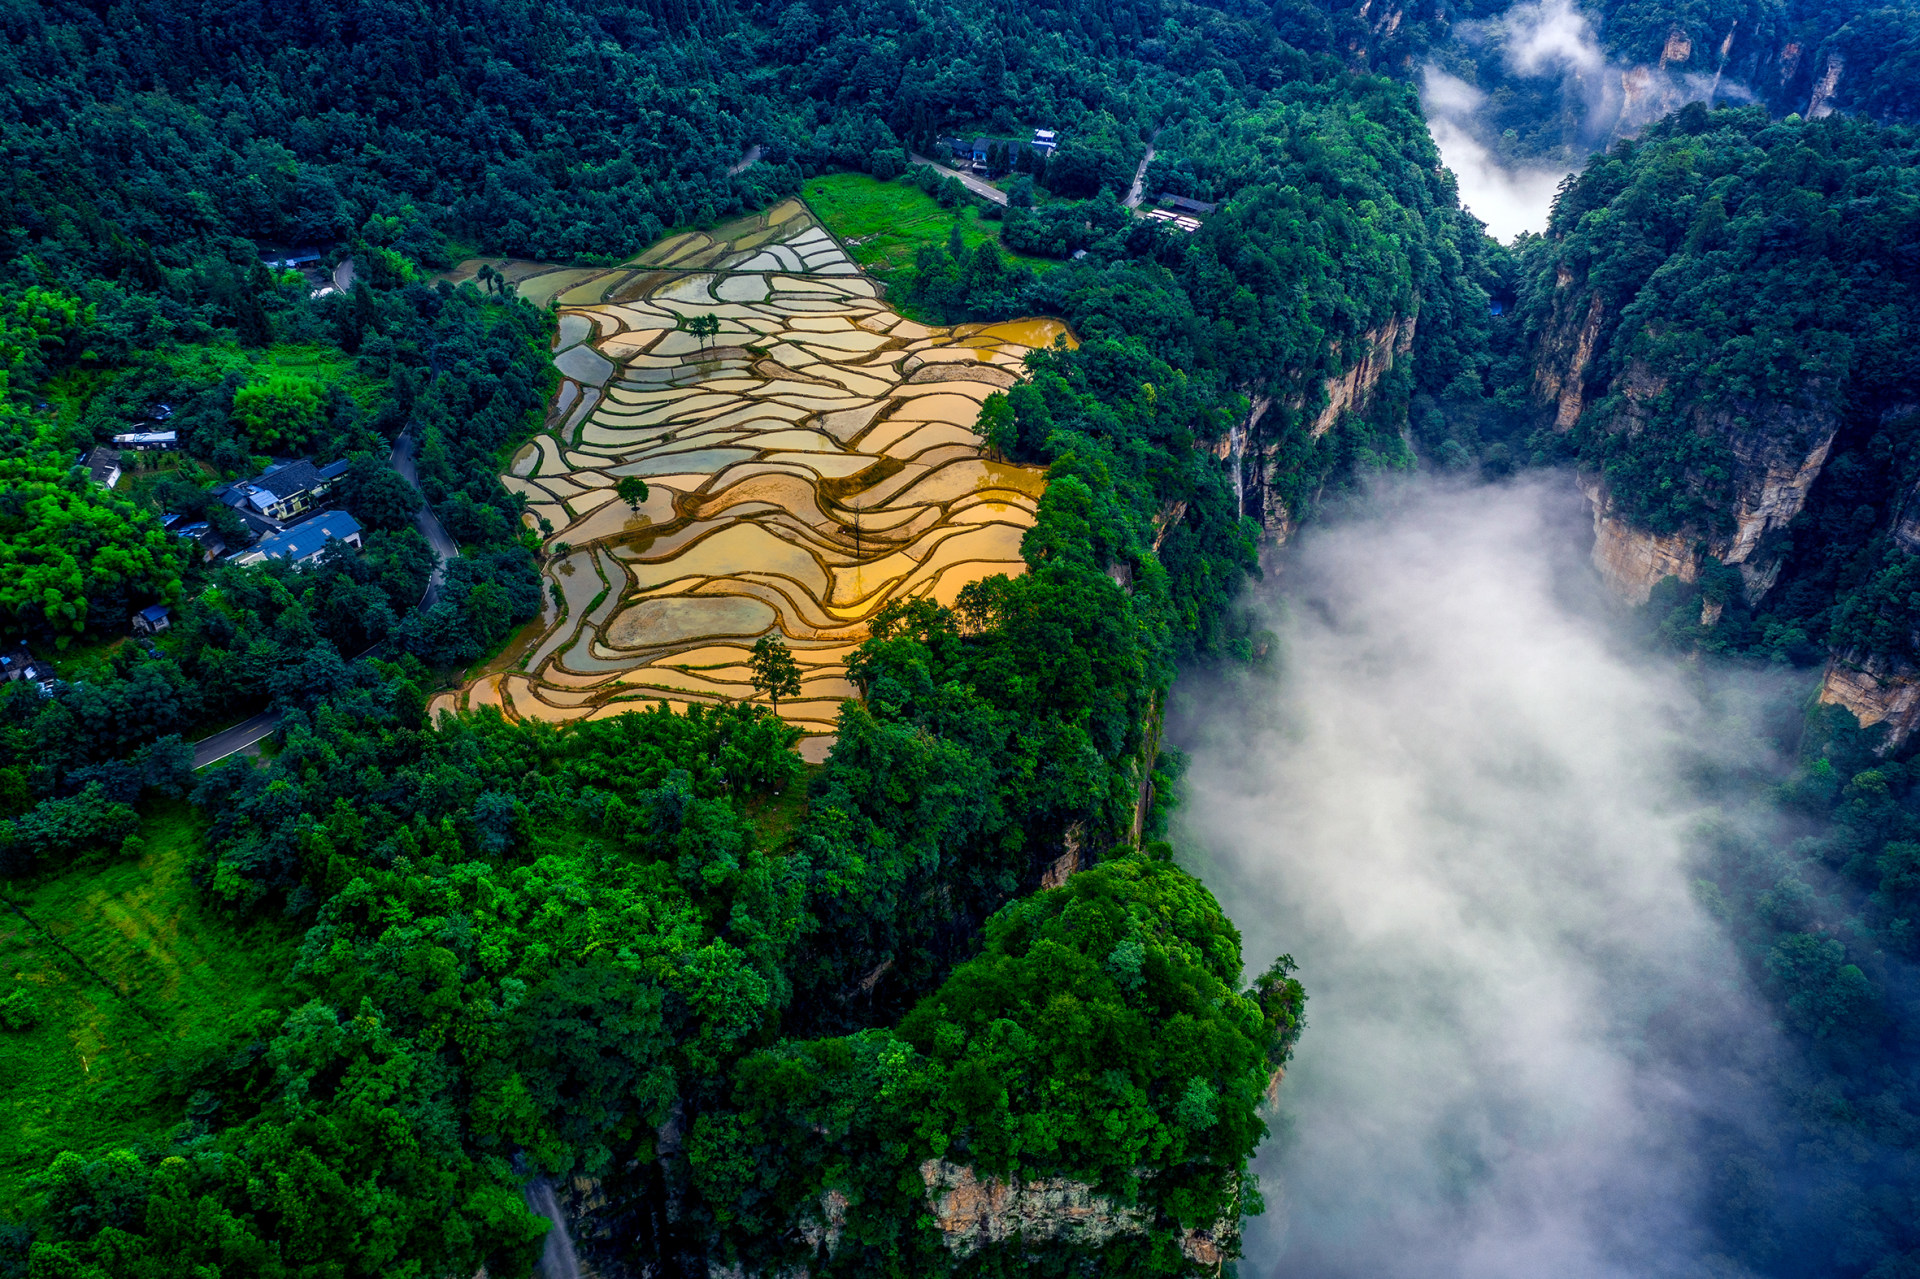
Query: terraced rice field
{"points": [[809, 463]]}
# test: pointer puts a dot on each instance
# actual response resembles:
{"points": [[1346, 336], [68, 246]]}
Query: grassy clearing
{"points": [[884, 224], [776, 817], [137, 982]]}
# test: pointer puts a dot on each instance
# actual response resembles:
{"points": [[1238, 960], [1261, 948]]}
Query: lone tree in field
{"points": [[775, 673], [632, 490], [701, 326]]}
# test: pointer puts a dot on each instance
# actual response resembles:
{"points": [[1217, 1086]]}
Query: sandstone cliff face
{"points": [[1821, 103], [972, 1214], [1877, 690], [1630, 560], [1776, 452], [1352, 389], [1566, 351]]}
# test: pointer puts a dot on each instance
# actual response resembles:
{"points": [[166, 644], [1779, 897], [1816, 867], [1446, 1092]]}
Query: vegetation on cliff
{"points": [[530, 950], [1722, 296]]}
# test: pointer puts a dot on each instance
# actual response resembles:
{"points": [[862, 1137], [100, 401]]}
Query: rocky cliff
{"points": [[1775, 452], [972, 1213], [1877, 689], [1260, 450], [1350, 391]]}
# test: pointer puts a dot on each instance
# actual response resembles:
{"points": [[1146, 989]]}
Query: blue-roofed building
{"points": [[304, 542], [152, 619]]}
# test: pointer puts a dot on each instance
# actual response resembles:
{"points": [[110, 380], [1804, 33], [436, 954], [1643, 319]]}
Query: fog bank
{"points": [[1600, 99], [1462, 808]]}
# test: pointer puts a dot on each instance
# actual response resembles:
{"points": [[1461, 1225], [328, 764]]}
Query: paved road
{"points": [[211, 750], [1137, 191], [444, 547], [343, 276], [747, 161], [242, 735], [967, 180]]}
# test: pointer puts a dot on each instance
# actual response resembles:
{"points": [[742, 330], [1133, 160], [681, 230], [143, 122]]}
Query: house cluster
{"points": [[992, 157], [17, 663], [310, 262], [284, 490], [269, 504], [1181, 212]]}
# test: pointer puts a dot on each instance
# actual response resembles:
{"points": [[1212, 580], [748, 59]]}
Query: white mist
{"points": [[1463, 810]]}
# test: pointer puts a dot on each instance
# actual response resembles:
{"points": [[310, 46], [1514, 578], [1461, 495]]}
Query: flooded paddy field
{"points": [[809, 462]]}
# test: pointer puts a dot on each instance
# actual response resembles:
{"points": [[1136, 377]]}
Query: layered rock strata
{"points": [[1877, 689]]}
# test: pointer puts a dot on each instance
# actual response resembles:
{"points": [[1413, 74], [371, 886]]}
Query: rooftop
{"points": [[304, 540]]}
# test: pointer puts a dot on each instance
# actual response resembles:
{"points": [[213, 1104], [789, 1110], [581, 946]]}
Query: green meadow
{"points": [[883, 224], [140, 989]]}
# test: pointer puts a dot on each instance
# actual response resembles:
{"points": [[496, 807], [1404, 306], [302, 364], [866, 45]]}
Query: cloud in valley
{"points": [[1463, 809], [1547, 39]]}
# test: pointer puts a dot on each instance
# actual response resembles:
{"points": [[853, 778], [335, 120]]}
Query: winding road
{"points": [[1137, 191], [250, 732]]}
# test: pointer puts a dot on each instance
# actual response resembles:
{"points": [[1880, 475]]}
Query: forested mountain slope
{"points": [[579, 953], [1721, 320]]}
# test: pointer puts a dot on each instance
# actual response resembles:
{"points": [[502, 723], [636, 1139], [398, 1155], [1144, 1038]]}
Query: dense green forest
{"points": [[587, 952], [749, 1003]]}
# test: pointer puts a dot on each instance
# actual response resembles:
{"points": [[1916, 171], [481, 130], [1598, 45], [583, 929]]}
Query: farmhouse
{"points": [[103, 466], [17, 663], [1182, 204], [145, 441], [1179, 220], [152, 619], [284, 490], [304, 542]]}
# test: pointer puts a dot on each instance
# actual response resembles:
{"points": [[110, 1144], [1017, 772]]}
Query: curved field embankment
{"points": [[808, 462]]}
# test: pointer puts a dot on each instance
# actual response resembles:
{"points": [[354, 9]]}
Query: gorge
{"points": [[1155, 638], [1466, 804]]}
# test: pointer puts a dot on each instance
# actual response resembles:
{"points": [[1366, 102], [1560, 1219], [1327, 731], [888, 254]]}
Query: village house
{"points": [[17, 663], [1045, 142], [103, 466], [152, 619], [284, 490], [1182, 204], [147, 441], [304, 542]]}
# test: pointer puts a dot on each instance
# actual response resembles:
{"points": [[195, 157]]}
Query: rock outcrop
{"points": [[972, 1214], [1776, 451], [1821, 103], [1631, 560], [1565, 354], [1351, 390], [1876, 689]]}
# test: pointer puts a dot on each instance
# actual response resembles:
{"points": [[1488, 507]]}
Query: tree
{"points": [[701, 326], [996, 427], [377, 494], [281, 412], [775, 673], [632, 490], [69, 548]]}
